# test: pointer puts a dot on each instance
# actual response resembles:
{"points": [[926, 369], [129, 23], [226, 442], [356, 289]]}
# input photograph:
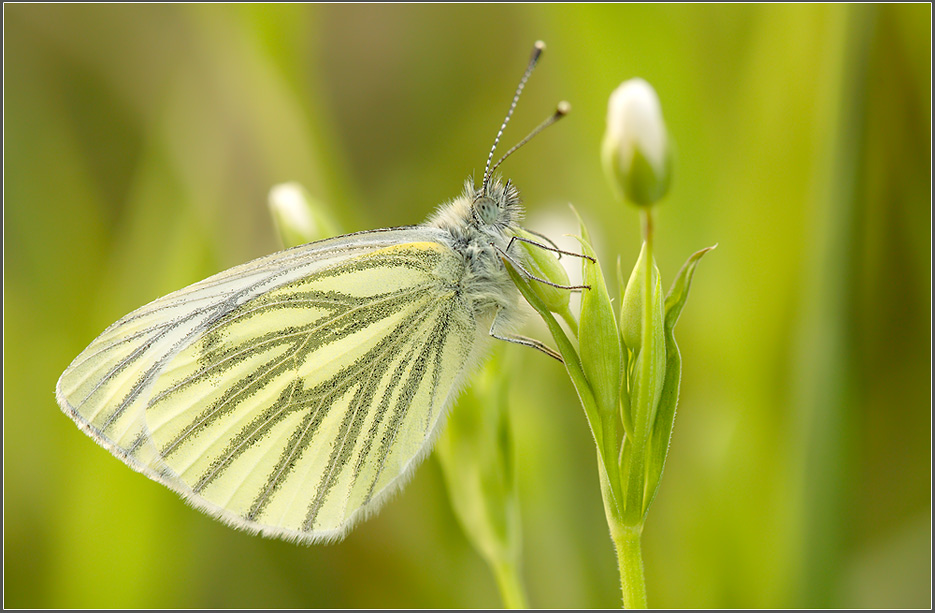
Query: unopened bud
{"points": [[543, 264], [636, 152]]}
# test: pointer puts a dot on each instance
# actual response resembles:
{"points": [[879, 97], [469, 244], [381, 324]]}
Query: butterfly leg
{"points": [[523, 340], [545, 238], [550, 247], [529, 275]]}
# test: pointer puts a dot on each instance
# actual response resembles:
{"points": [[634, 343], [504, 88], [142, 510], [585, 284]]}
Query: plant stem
{"points": [[511, 586], [646, 214], [630, 560], [627, 537], [648, 288]]}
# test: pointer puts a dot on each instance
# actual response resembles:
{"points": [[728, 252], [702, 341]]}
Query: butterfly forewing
{"points": [[291, 394]]}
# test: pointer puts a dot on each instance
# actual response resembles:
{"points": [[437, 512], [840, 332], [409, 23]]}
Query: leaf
{"points": [[598, 339], [665, 413], [578, 378]]}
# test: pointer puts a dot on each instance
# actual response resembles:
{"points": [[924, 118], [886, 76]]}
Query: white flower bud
{"points": [[635, 151]]}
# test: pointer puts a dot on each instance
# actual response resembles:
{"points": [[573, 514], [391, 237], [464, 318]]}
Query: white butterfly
{"points": [[293, 394]]}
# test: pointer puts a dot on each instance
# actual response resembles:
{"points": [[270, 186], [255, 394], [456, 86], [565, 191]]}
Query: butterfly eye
{"points": [[486, 209]]}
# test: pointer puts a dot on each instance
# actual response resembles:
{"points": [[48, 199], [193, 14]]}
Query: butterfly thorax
{"points": [[480, 223]]}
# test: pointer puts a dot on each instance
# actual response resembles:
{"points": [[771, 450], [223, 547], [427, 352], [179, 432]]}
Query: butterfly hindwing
{"points": [[289, 395]]}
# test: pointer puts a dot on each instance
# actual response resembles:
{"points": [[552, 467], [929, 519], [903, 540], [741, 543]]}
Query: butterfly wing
{"points": [[290, 395]]}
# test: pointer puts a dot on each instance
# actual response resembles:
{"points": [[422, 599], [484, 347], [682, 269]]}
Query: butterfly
{"points": [[290, 396]]}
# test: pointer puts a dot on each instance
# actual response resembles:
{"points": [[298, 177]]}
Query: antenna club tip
{"points": [[563, 108], [539, 46]]}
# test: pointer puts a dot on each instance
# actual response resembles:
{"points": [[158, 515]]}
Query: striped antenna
{"points": [[537, 50], [561, 110]]}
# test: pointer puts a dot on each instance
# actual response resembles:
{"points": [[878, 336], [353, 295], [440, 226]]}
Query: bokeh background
{"points": [[139, 146]]}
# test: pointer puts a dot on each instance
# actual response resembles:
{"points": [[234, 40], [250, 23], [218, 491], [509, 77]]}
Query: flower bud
{"points": [[647, 347], [631, 309], [635, 152], [543, 264], [298, 218]]}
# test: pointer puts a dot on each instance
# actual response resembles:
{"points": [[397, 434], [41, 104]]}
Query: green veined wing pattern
{"points": [[299, 409]]}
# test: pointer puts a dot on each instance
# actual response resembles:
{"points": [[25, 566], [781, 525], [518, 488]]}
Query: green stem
{"points": [[630, 560], [510, 584], [627, 537]]}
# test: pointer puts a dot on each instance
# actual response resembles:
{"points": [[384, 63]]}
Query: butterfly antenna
{"points": [[537, 50], [563, 109]]}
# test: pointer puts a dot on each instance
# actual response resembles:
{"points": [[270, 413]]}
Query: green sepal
{"points": [[641, 183], [576, 372], [665, 413], [624, 395], [644, 185], [598, 338], [647, 352]]}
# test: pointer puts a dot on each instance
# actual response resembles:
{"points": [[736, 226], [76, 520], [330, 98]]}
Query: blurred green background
{"points": [[140, 143]]}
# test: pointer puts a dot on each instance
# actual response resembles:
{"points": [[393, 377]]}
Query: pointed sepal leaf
{"points": [[665, 412]]}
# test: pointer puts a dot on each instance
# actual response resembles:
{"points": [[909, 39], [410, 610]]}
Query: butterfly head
{"points": [[495, 204]]}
